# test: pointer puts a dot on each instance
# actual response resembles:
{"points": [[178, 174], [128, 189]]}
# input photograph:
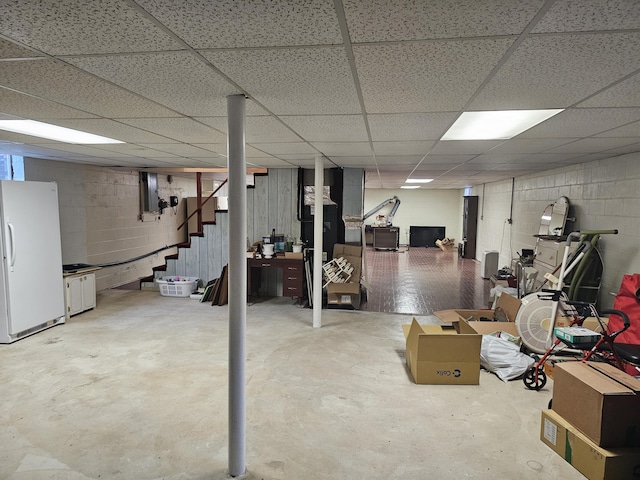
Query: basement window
{"points": [[11, 167]]}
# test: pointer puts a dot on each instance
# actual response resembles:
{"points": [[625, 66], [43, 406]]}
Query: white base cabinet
{"points": [[80, 293]]}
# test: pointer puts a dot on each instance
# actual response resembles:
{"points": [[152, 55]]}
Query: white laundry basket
{"points": [[177, 286]]}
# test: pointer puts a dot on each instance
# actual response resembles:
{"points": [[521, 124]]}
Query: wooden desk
{"points": [[292, 275]]}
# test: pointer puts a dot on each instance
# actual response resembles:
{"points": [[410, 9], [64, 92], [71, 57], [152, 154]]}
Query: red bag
{"points": [[628, 301]]}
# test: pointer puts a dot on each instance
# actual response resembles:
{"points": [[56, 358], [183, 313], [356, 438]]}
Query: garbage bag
{"points": [[503, 358]]}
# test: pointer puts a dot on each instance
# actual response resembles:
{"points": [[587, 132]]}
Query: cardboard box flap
{"points": [[510, 305], [617, 375], [603, 384]]}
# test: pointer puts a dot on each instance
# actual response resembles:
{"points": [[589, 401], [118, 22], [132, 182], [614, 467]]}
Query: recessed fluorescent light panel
{"points": [[54, 132], [410, 186], [418, 180], [498, 125]]}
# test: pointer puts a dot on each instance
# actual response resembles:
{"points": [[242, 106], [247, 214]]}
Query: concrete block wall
{"points": [[604, 194], [99, 215]]}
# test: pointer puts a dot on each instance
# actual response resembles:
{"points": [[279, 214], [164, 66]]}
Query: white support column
{"points": [[318, 227], [236, 164]]}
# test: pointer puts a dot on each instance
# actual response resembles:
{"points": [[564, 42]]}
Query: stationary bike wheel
{"points": [[530, 380]]}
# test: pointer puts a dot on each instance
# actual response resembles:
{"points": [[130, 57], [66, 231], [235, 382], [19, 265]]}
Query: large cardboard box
{"points": [[346, 295], [508, 303], [443, 354], [600, 401], [594, 462]]}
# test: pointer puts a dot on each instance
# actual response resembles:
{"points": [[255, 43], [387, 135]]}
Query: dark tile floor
{"points": [[421, 281]]}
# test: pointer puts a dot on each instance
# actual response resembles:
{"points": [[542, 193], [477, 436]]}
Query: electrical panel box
{"points": [[149, 191]]}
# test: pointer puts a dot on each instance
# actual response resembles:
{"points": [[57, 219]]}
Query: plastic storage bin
{"points": [[177, 286]]}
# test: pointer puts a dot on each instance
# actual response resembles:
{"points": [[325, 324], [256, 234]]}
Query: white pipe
{"points": [[318, 224], [236, 164]]}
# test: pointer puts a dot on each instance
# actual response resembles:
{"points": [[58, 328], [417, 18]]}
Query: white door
{"points": [[33, 262]]}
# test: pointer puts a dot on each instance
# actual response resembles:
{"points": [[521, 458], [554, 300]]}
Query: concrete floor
{"points": [[137, 389]]}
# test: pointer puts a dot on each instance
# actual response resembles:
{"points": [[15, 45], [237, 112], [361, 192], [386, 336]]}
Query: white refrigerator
{"points": [[31, 284]]}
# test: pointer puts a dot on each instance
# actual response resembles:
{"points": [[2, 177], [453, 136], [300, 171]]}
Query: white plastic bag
{"points": [[503, 358]]}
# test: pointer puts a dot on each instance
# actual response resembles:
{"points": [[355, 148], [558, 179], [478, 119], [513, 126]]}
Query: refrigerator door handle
{"points": [[13, 245]]}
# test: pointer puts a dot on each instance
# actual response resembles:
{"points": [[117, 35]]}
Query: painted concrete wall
{"points": [[99, 218], [604, 194], [419, 207]]}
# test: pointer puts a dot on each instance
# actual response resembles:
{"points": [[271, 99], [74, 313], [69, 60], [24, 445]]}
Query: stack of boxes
{"points": [[594, 423], [346, 294]]}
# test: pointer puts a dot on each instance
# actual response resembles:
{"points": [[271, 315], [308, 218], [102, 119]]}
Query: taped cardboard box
{"points": [[594, 462], [443, 354], [600, 401]]}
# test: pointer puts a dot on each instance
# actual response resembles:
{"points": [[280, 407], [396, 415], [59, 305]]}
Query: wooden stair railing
{"points": [[198, 209]]}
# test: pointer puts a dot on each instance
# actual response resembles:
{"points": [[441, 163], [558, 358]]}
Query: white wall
{"points": [[604, 194], [419, 207]]}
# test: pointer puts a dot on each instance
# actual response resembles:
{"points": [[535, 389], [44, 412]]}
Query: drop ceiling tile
{"points": [[180, 149], [463, 147], [68, 27], [284, 148], [258, 129], [629, 130], [249, 23], [92, 151], [559, 70], [409, 126], [445, 159], [69, 86], [580, 16], [343, 149], [11, 50], [111, 129], [219, 148], [177, 80], [633, 148], [528, 145], [294, 157], [271, 163], [521, 168], [21, 138], [398, 160], [425, 76], [494, 158], [26, 106], [583, 122], [542, 158], [393, 21], [593, 145], [296, 81], [402, 148], [623, 94], [178, 128], [354, 162], [328, 128]]}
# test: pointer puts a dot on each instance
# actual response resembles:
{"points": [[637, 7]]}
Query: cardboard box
{"points": [[443, 354], [576, 335], [600, 401], [346, 295], [297, 255], [341, 250], [508, 303], [594, 462]]}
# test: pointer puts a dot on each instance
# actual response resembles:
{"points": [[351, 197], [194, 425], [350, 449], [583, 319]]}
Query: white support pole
{"points": [[318, 227], [236, 164]]}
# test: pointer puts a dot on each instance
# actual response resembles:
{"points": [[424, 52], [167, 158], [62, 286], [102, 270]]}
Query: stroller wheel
{"points": [[533, 381]]}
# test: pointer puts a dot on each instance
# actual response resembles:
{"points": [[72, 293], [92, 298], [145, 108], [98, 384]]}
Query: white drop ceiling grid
{"points": [[372, 84]]}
